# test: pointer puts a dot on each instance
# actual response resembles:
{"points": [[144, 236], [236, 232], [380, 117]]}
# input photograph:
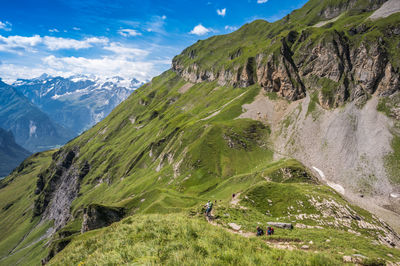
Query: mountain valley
{"points": [[294, 122]]}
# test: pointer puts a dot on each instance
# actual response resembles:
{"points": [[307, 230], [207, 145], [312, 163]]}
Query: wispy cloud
{"points": [[54, 30], [221, 12], [230, 28], [124, 51], [156, 24], [5, 26], [261, 1], [200, 30], [129, 32], [76, 28]]}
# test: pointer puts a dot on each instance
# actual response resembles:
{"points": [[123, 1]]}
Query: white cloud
{"points": [[156, 24], [261, 1], [230, 28], [129, 32], [76, 28], [17, 43], [54, 30], [106, 66], [54, 43], [5, 26], [221, 12], [126, 52], [200, 30]]}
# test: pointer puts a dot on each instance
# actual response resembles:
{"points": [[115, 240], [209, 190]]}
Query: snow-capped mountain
{"points": [[32, 128], [77, 102]]}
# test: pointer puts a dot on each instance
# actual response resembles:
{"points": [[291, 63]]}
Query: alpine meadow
{"points": [[292, 125]]}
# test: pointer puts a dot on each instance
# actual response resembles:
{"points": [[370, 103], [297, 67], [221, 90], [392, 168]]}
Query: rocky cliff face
{"points": [[338, 57], [97, 216], [58, 187], [339, 70]]}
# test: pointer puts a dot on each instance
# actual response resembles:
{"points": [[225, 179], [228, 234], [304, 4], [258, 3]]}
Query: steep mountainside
{"points": [[252, 121], [11, 154], [77, 102], [32, 129], [327, 55]]}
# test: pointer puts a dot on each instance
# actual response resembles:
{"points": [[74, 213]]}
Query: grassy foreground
{"points": [[175, 239]]}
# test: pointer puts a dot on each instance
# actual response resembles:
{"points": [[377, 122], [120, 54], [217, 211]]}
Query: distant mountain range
{"points": [[32, 128], [11, 154], [46, 112], [77, 102]]}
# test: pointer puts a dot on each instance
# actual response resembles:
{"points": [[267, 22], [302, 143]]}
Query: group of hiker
{"points": [[260, 231]]}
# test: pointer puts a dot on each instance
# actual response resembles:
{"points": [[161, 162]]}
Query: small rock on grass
{"points": [[234, 226]]}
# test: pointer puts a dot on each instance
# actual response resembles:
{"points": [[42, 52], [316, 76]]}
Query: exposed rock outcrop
{"points": [[62, 187], [97, 216], [336, 67]]}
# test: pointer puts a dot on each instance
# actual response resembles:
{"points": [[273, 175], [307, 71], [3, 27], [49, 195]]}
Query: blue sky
{"points": [[129, 38]]}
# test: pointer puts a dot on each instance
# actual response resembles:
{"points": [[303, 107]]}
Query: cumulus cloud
{"points": [[5, 25], [122, 60], [128, 32], [17, 43], [200, 30], [104, 66], [261, 1], [76, 28], [54, 43], [221, 12]]}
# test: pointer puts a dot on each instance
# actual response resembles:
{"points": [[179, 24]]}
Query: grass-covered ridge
{"points": [[172, 145], [261, 37], [178, 239], [164, 152]]}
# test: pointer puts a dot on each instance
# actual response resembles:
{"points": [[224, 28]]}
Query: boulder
{"points": [[281, 225], [98, 216]]}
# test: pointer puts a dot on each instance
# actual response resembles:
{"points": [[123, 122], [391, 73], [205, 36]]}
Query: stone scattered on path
{"points": [[234, 226]]}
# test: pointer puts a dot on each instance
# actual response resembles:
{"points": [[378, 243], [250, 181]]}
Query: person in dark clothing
{"points": [[260, 232], [270, 231], [209, 207]]}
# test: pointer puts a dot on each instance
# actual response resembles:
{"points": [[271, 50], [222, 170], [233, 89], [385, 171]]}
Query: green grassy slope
{"points": [[261, 37], [19, 231], [177, 239], [162, 154]]}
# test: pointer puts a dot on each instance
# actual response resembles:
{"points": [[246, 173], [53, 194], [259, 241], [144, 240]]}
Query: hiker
{"points": [[260, 232], [270, 231], [209, 206]]}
